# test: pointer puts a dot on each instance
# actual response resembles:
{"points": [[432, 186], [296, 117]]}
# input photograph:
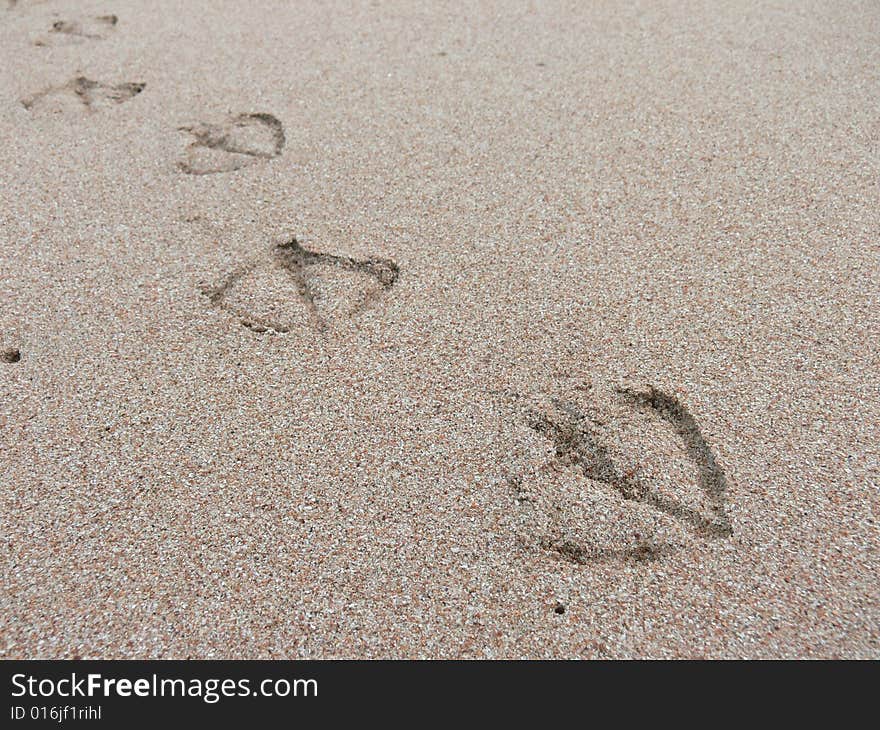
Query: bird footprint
{"points": [[81, 93], [631, 476], [293, 288], [232, 144], [65, 32]]}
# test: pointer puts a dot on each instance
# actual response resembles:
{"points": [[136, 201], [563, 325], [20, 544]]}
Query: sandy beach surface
{"points": [[416, 329]]}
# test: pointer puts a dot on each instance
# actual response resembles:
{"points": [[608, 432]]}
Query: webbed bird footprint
{"points": [[81, 93], [230, 145], [293, 288], [630, 477], [64, 32]]}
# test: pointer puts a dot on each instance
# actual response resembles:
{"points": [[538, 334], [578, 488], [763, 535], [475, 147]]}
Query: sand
{"points": [[413, 329]]}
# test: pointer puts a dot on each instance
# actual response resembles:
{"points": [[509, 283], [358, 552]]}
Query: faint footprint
{"points": [[237, 142], [631, 477], [65, 32], [293, 288], [81, 92], [10, 4]]}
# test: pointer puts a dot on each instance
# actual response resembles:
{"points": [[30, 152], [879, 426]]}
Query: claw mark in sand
{"points": [[323, 286], [76, 31], [230, 145], [83, 92]]}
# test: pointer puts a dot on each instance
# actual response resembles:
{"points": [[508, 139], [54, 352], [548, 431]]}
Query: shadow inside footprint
{"points": [[230, 145], [295, 287], [81, 92]]}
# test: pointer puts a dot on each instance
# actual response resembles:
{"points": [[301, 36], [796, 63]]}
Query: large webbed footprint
{"points": [[631, 478], [81, 93], [232, 144], [65, 32], [294, 288]]}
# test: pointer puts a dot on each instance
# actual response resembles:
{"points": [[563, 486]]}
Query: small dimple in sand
{"points": [[81, 94], [10, 355], [292, 288], [232, 144]]}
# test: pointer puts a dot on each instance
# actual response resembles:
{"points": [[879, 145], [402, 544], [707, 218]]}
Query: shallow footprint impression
{"points": [[230, 145], [81, 94], [294, 288], [630, 478], [64, 32]]}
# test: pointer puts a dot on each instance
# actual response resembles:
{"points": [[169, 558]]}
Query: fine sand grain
{"points": [[403, 329]]}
